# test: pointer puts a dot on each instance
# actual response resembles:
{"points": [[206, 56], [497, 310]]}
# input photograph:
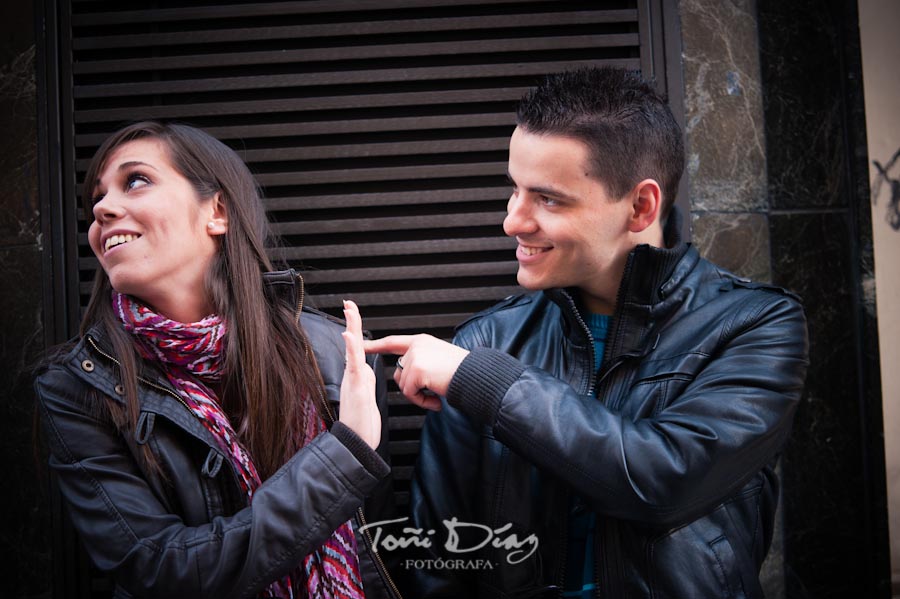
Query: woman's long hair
{"points": [[270, 373]]}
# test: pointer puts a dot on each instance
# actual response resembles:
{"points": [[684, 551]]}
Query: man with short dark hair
{"points": [[616, 429]]}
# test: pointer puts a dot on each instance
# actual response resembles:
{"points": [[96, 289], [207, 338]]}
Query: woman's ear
{"points": [[218, 219], [646, 201]]}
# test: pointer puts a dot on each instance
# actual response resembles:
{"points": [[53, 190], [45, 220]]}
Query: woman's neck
{"points": [[183, 307]]}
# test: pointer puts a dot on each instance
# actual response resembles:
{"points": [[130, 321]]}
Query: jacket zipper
{"points": [[564, 548], [299, 299], [564, 543], [596, 382], [377, 556], [359, 511], [591, 350]]}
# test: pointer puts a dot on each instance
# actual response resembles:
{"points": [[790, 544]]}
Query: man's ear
{"points": [[218, 219], [646, 202]]}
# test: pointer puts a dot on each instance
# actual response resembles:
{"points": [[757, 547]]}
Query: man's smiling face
{"points": [[570, 232]]}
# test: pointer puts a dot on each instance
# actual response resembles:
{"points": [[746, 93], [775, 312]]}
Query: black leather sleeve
{"points": [[731, 416]]}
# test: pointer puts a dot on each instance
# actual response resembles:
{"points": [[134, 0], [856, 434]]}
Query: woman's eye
{"points": [[97, 198], [136, 181]]}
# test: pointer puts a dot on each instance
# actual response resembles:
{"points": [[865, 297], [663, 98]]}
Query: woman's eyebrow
{"points": [[133, 163]]}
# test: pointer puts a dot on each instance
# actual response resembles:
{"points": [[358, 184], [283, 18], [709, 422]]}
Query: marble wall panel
{"points": [[824, 463], [24, 511], [800, 55], [19, 216], [24, 525], [835, 543], [726, 162], [809, 234], [736, 241]]}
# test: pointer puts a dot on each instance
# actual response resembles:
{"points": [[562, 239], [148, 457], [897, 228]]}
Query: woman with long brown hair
{"points": [[191, 426]]}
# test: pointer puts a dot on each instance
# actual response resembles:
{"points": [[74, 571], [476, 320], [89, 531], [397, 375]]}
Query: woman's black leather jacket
{"points": [[672, 444], [193, 535]]}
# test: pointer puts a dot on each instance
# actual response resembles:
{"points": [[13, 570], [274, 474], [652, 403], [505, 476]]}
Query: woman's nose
{"points": [[107, 208]]}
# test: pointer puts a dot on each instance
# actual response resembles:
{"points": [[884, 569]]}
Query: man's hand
{"points": [[359, 411], [424, 368]]}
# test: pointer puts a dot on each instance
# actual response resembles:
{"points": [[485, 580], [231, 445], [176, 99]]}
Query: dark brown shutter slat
{"points": [[403, 471], [220, 84], [281, 9], [293, 129], [218, 61], [407, 422], [419, 148], [416, 323], [383, 174], [387, 248], [356, 29], [408, 273], [441, 146], [221, 107], [393, 198], [397, 223], [400, 248], [416, 297], [392, 273], [404, 447]]}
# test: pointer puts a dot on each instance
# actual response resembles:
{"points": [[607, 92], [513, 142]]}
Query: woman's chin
{"points": [[126, 286]]}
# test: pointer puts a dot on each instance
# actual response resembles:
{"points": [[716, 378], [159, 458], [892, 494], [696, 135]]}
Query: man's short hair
{"points": [[627, 126]]}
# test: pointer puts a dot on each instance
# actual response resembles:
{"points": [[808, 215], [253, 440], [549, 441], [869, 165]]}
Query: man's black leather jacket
{"points": [[193, 535], [694, 400]]}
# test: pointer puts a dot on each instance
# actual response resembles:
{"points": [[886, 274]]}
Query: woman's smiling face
{"points": [[151, 231]]}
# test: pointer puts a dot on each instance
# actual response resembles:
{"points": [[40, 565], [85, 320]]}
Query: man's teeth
{"points": [[531, 251], [118, 240]]}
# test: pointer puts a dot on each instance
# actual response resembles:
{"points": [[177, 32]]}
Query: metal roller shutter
{"points": [[378, 130]]}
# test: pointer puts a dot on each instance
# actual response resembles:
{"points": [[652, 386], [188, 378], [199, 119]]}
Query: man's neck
{"points": [[595, 304]]}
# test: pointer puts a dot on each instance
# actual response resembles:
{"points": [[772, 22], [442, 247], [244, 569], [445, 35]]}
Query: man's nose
{"points": [[519, 219]]}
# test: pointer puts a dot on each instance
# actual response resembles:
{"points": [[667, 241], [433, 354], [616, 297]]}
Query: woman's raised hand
{"points": [[359, 411]]}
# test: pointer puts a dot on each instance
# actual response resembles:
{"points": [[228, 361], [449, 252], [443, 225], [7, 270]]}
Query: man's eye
{"points": [[549, 201], [136, 181]]}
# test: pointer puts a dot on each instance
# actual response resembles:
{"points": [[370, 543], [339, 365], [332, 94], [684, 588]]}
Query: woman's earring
{"points": [[210, 225]]}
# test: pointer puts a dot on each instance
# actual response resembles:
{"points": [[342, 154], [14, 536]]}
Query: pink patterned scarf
{"points": [[192, 357]]}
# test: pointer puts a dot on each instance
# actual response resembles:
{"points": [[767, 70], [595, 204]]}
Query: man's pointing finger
{"points": [[392, 344]]}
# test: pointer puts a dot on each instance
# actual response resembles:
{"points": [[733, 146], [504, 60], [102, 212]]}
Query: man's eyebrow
{"points": [[551, 192], [544, 191]]}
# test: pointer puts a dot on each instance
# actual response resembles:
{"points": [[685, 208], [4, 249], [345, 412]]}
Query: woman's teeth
{"points": [[115, 240]]}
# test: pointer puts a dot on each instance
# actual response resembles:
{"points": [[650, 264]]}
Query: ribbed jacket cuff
{"points": [[480, 383], [366, 456]]}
